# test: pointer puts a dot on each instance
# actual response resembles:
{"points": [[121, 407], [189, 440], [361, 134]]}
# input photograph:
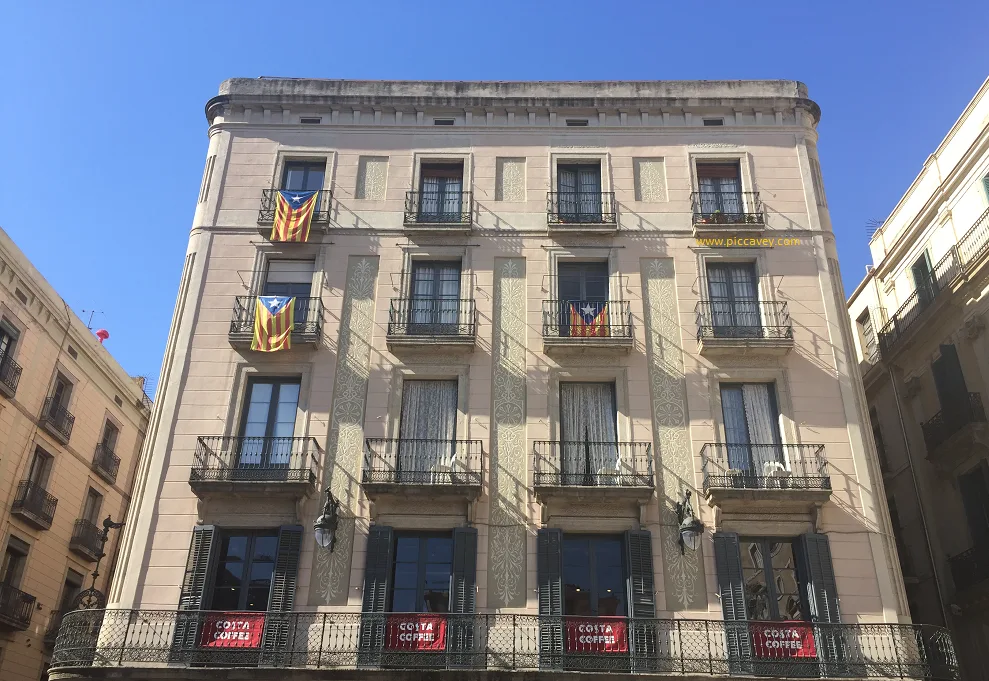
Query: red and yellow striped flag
{"points": [[274, 317], [589, 321], [293, 215]]}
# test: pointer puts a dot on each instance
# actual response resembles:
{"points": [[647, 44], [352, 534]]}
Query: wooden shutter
{"points": [[731, 588], [817, 584], [641, 589], [549, 569], [950, 383], [276, 642], [193, 588], [462, 598], [377, 582]]}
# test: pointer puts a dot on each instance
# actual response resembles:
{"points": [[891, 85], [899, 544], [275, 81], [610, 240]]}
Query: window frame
{"points": [[769, 575], [592, 570], [272, 404], [307, 167], [22, 549], [421, 537], [92, 505], [222, 534], [47, 462]]}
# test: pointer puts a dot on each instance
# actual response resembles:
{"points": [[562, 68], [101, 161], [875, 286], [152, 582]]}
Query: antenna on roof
{"points": [[872, 226], [89, 324]]}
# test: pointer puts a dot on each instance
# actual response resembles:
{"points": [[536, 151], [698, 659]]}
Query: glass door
{"points": [[579, 193], [582, 294], [588, 434], [269, 424], [434, 305], [734, 300]]}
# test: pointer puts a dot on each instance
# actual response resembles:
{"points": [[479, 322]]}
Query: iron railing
{"points": [[408, 461], [148, 638], [726, 208], [588, 320], [225, 458], [16, 607], [439, 208], [449, 318], [943, 273], [592, 464], [10, 374], [975, 242], [743, 319], [307, 321], [321, 214], [57, 418], [34, 500], [947, 422], [86, 538], [106, 463], [764, 466], [968, 568], [51, 631], [581, 208]]}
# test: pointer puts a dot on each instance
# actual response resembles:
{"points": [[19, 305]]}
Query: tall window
{"points": [[14, 560], [61, 391], [109, 437], [303, 176], [269, 422], [752, 431], [868, 335], [243, 571], [975, 498], [720, 190], [771, 588], [441, 187], [94, 504], [8, 339], [70, 589], [923, 278], [428, 430], [423, 565], [734, 300], [588, 434], [952, 392], [582, 292], [291, 278], [593, 576], [578, 189], [877, 434], [435, 297], [41, 466]]}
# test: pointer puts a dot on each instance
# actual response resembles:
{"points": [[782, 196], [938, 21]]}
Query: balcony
{"points": [[581, 213], [266, 214], [16, 608], [106, 463], [307, 328], [86, 540], [745, 477], [739, 327], [952, 434], [422, 323], [579, 326], [915, 307], [413, 467], [177, 644], [439, 212], [56, 420], [727, 213], [51, 631], [255, 466], [34, 505], [599, 469], [10, 376]]}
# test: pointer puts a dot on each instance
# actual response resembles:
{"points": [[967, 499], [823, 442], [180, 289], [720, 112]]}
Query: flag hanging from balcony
{"points": [[293, 214], [274, 317], [589, 319]]}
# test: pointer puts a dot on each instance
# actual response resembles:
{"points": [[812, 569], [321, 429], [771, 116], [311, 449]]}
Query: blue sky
{"points": [[102, 133]]}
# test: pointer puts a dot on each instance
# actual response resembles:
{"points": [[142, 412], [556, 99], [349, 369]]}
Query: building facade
{"points": [[539, 332], [72, 424], [920, 318]]}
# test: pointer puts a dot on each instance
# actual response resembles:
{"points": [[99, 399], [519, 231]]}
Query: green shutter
{"points": [[549, 569], [731, 588], [281, 598], [642, 600], [377, 581], [462, 600], [197, 569], [815, 575], [985, 185]]}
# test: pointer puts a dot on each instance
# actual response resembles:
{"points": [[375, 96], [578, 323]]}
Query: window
{"points": [[593, 576], [975, 498], [116, 400], [442, 121], [576, 122], [435, 297], [877, 435], [582, 294], [720, 190], [923, 279], [207, 177], [711, 122], [868, 335], [952, 392], [303, 176], [109, 438], [588, 434], [772, 592], [70, 589], [243, 573], [8, 339], [20, 296], [292, 278], [734, 300], [578, 189], [269, 422], [41, 466], [752, 435], [14, 560], [441, 188], [61, 392], [428, 429], [73, 353], [423, 565], [94, 504], [310, 120]]}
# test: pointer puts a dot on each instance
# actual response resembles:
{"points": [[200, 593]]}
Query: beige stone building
{"points": [[920, 317], [534, 324], [72, 424]]}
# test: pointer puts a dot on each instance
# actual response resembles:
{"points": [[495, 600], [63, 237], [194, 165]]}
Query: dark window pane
{"points": [[404, 600], [265, 548], [406, 575], [261, 574], [757, 598], [437, 577], [436, 600], [257, 599], [407, 550], [225, 599], [439, 550], [230, 574], [235, 547], [576, 552]]}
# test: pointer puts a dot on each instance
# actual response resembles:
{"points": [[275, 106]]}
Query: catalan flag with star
{"points": [[293, 215], [274, 317], [589, 319]]}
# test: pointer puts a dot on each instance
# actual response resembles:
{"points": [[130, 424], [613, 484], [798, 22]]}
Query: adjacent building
{"points": [[920, 317], [572, 364], [72, 424]]}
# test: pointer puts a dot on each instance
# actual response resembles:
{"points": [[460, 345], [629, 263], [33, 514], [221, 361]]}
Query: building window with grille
{"points": [[441, 192], [434, 300], [752, 433], [427, 446], [243, 571], [14, 561], [579, 195], [588, 434], [868, 336], [772, 592], [423, 565], [8, 339], [109, 437], [303, 176], [94, 504], [292, 279], [594, 576], [582, 297], [268, 424], [733, 294], [719, 187]]}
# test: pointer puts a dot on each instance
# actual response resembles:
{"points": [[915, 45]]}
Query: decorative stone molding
{"points": [[974, 327]]}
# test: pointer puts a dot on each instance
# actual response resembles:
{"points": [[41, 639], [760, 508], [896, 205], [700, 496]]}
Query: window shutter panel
{"points": [[281, 598], [462, 598], [193, 588], [377, 577], [549, 568], [642, 600], [817, 584], [731, 588]]}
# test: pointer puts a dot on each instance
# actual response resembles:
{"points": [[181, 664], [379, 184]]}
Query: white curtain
{"points": [[435, 294], [588, 426], [751, 426], [566, 193], [428, 429]]}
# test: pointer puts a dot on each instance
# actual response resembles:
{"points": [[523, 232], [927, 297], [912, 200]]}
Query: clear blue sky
{"points": [[103, 137]]}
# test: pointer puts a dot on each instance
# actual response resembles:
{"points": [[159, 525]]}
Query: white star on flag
{"points": [[587, 309], [296, 198]]}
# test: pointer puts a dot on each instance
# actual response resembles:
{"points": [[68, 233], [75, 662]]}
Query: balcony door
{"points": [[579, 192], [974, 489], [302, 176], [734, 300], [720, 189], [242, 582], [441, 190], [8, 340], [292, 279], [923, 279], [423, 566], [268, 424], [94, 504], [427, 432], [41, 466], [434, 305], [582, 295], [952, 393], [752, 434], [588, 434], [61, 392], [594, 576]]}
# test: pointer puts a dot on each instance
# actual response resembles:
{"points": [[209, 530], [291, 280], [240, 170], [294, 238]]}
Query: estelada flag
{"points": [[589, 319], [293, 214], [274, 317]]}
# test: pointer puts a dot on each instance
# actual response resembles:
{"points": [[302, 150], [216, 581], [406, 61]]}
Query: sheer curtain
{"points": [[429, 201], [452, 197], [588, 425], [736, 429], [589, 183], [428, 429], [751, 426], [435, 294], [734, 299], [566, 200]]}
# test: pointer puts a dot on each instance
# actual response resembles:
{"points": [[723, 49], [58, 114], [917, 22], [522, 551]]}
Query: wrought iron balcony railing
{"points": [[947, 422], [587, 321], [51, 631], [971, 567], [307, 321], [34, 503], [592, 464], [86, 539], [106, 463], [975, 242], [712, 209], [422, 462], [16, 607], [504, 642], [581, 208], [57, 419], [743, 319], [944, 272], [439, 208], [441, 318], [10, 375], [236, 459], [760, 466], [321, 214]]}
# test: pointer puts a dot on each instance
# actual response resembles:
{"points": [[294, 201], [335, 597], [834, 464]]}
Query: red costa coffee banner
{"points": [[415, 632], [232, 630], [783, 639], [596, 635]]}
